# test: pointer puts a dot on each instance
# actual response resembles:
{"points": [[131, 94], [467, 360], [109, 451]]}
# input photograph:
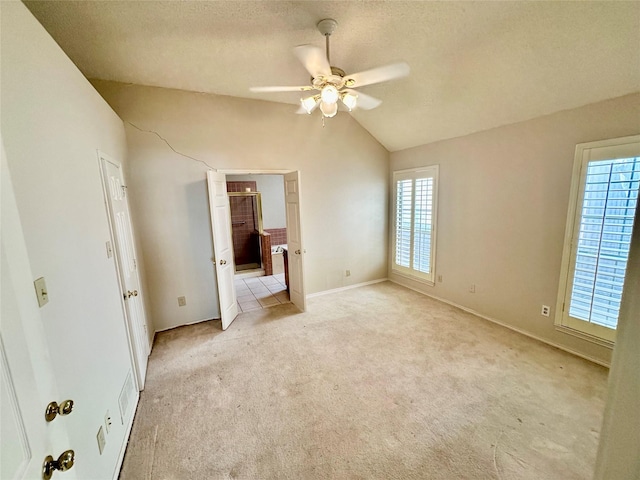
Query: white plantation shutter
{"points": [[415, 222], [404, 209], [604, 238], [606, 181], [423, 225]]}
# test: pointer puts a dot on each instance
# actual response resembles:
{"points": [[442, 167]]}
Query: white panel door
{"points": [[294, 240], [27, 382], [222, 246], [122, 233]]}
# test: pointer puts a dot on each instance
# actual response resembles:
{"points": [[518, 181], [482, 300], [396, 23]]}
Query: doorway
{"points": [[246, 229], [259, 232], [288, 238]]}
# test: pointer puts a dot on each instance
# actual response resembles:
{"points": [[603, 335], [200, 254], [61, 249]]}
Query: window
{"points": [[604, 196], [414, 213]]}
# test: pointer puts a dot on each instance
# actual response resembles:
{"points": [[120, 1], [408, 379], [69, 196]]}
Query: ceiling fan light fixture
{"points": [[310, 103], [329, 109], [331, 84], [329, 94], [349, 100]]}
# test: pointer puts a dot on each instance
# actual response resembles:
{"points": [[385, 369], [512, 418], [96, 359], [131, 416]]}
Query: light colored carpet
{"points": [[375, 382]]}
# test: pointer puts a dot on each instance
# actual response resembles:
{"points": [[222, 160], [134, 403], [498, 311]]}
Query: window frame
{"points": [[431, 171], [615, 148]]}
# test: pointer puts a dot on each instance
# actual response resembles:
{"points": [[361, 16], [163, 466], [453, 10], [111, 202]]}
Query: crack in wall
{"points": [[171, 147]]}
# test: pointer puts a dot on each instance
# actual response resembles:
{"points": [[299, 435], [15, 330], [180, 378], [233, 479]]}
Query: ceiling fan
{"points": [[332, 82]]}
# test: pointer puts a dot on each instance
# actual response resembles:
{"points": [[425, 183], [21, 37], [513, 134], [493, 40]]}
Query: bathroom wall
{"points": [[278, 235], [271, 187]]}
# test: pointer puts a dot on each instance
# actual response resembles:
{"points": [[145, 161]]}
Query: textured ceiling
{"points": [[474, 65]]}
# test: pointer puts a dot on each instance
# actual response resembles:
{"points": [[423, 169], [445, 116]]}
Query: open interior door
{"points": [[222, 246], [294, 240]]}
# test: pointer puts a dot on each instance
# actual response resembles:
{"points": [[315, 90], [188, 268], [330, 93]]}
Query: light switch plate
{"points": [[41, 291]]}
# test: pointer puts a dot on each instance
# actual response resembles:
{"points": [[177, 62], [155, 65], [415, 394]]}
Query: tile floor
{"points": [[260, 292]]}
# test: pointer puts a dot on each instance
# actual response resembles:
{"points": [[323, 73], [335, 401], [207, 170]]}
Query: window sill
{"points": [[414, 278], [585, 336]]}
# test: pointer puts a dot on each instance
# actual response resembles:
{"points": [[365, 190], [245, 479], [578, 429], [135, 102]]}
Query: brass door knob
{"points": [[53, 409], [223, 262], [132, 294], [297, 252], [64, 463]]}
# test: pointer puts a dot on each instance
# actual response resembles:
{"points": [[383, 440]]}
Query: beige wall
{"points": [[502, 210], [52, 123], [271, 188], [344, 189]]}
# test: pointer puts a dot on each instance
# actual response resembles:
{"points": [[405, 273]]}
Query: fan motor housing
{"points": [[336, 79]]}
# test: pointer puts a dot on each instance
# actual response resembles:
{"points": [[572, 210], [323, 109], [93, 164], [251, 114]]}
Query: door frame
{"points": [[129, 328], [283, 172]]}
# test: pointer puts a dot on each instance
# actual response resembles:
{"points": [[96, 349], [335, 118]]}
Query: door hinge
{"points": [[563, 306], [135, 265]]}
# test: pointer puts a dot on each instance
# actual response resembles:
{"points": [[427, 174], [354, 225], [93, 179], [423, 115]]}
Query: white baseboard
{"points": [[125, 441], [311, 295], [184, 325], [348, 287], [510, 327]]}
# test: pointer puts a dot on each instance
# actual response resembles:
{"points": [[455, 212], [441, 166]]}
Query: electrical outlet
{"points": [[546, 310], [440, 278], [102, 441], [347, 273], [182, 301], [472, 288], [107, 421]]}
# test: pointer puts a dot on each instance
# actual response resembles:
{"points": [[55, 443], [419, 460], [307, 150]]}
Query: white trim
{"points": [[186, 324], [427, 171], [424, 168], [585, 336], [414, 278], [348, 287], [125, 440], [249, 171], [129, 328], [584, 153], [510, 327]]}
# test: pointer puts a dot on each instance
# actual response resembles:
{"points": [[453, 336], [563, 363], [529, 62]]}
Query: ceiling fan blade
{"points": [[281, 89], [377, 75], [364, 101], [314, 60]]}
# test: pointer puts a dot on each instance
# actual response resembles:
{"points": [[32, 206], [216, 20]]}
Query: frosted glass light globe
{"points": [[329, 109], [329, 94]]}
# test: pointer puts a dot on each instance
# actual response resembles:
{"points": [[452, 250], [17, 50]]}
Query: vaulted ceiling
{"points": [[474, 65]]}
